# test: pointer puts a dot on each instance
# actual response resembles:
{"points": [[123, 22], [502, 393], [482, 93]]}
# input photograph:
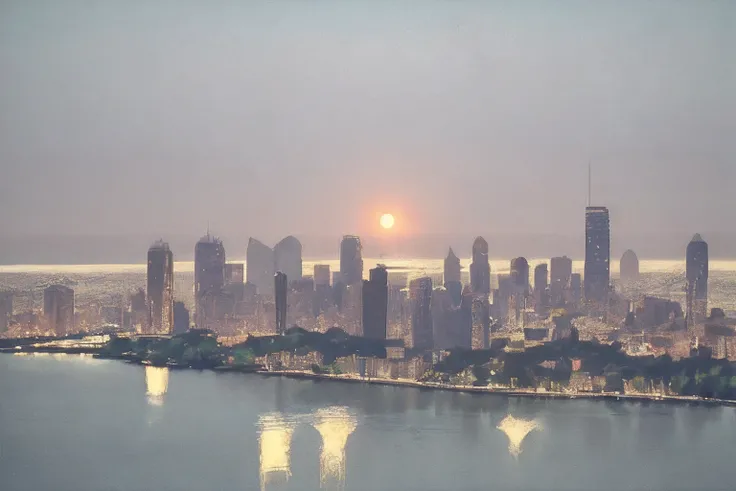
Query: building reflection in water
{"points": [[275, 449], [335, 424], [157, 383], [516, 430]]}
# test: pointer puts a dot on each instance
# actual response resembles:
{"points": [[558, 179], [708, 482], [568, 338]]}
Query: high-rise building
{"points": [[560, 269], [321, 275], [375, 303], [452, 277], [559, 279], [696, 266], [629, 268], [58, 307], [540, 287], [519, 271], [160, 289], [443, 316], [280, 291], [6, 310], [452, 268], [576, 288], [181, 318], [234, 273], [481, 325], [209, 276], [420, 295], [351, 260], [597, 274], [480, 268], [288, 257], [464, 333], [259, 266]]}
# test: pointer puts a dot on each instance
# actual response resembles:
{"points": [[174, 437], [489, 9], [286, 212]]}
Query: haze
{"points": [[151, 119]]}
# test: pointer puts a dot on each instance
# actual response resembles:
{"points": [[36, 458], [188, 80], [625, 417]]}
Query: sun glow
{"points": [[387, 220]]}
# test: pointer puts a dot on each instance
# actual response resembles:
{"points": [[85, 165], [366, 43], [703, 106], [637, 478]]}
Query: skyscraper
{"points": [[697, 279], [234, 273], [58, 307], [452, 275], [560, 270], [160, 289], [629, 267], [181, 318], [280, 291], [209, 274], [321, 275], [6, 310], [519, 270], [559, 281], [420, 295], [481, 325], [540, 287], [375, 303], [480, 268], [259, 264], [597, 273], [288, 257], [351, 260], [443, 316]]}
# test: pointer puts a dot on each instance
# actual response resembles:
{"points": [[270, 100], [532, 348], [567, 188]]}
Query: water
{"points": [[71, 423]]}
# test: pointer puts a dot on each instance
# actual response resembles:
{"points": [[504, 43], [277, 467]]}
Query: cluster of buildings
{"points": [[435, 312]]}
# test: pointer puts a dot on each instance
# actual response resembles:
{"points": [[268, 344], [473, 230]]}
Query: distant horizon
{"points": [[132, 248]]}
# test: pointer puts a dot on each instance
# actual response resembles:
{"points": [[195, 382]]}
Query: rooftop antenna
{"points": [[208, 228], [589, 186]]}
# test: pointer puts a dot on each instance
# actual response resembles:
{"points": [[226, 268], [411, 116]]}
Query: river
{"points": [[73, 423]]}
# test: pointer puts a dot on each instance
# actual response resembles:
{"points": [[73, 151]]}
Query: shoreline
{"points": [[353, 379]]}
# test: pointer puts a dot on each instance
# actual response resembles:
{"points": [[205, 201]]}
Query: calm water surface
{"points": [[74, 423]]}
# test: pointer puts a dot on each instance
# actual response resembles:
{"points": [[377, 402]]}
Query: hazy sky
{"points": [[279, 117]]}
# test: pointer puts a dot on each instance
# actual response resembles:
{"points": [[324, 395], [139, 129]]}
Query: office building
{"points": [[540, 288], [629, 268], [321, 275], [181, 318], [259, 266], [560, 270], [287, 255], [519, 271], [280, 292], [375, 303], [443, 318], [597, 273], [351, 260], [464, 333], [6, 310], [481, 325], [576, 289], [234, 273], [420, 295], [160, 289], [480, 268], [696, 272], [58, 308], [452, 277]]}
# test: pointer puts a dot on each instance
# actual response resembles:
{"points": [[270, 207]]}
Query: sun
{"points": [[387, 220]]}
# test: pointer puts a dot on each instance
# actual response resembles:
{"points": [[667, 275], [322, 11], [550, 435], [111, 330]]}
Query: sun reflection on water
{"points": [[157, 384], [275, 449], [335, 425], [516, 430]]}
